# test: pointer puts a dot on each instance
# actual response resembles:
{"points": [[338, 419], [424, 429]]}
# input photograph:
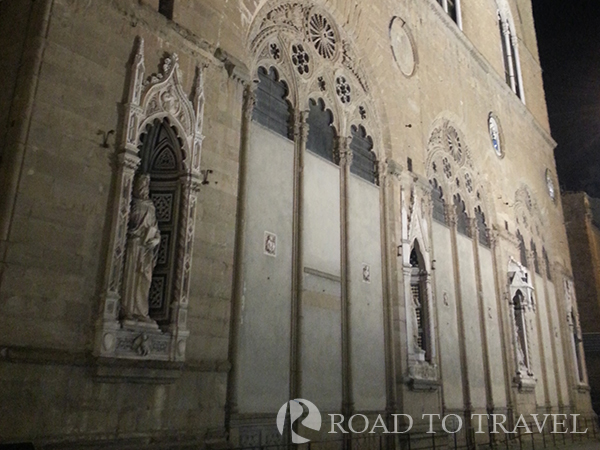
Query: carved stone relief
{"points": [[403, 47], [161, 96]]}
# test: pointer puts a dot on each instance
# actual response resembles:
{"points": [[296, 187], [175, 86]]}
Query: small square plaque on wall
{"points": [[270, 244], [366, 273]]}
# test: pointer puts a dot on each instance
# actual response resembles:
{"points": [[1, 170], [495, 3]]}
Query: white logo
{"points": [[312, 420]]}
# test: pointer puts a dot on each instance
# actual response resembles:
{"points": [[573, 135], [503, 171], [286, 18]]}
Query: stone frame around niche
{"points": [[160, 96]]}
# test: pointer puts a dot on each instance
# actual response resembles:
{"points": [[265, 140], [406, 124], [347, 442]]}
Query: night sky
{"points": [[569, 42]]}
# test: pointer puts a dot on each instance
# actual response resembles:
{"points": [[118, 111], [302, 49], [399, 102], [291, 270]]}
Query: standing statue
{"points": [[142, 244]]}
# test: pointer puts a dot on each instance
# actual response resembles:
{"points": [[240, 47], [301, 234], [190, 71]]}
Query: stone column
{"points": [[386, 202], [482, 317], [238, 276], [345, 159], [300, 139]]}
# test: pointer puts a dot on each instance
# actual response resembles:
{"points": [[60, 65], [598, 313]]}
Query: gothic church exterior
{"points": [[356, 201]]}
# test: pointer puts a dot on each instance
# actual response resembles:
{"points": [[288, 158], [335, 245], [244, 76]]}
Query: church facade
{"points": [[209, 208]]}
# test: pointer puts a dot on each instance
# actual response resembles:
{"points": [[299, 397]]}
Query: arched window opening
{"points": [[321, 134], [482, 231], [462, 219], [521, 331], [418, 289], [547, 264], [364, 163], [536, 262], [509, 56], [439, 209], [522, 249], [160, 152], [165, 7], [272, 108], [452, 9]]}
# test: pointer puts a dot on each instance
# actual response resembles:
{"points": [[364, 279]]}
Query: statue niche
{"points": [[143, 239], [152, 235]]}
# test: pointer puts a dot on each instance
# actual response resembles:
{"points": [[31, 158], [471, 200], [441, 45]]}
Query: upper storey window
{"points": [[165, 7], [452, 7], [510, 55]]}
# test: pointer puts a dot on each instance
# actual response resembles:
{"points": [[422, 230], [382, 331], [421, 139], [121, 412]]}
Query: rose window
{"points": [[454, 144], [322, 35]]}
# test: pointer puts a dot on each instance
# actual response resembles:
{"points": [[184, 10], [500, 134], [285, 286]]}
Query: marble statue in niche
{"points": [[143, 239]]}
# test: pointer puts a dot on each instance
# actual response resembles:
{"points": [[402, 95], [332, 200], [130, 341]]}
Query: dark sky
{"points": [[569, 42]]}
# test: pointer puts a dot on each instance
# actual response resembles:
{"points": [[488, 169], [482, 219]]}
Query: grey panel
{"points": [[321, 313], [468, 290], [265, 320], [447, 324], [492, 319], [366, 301]]}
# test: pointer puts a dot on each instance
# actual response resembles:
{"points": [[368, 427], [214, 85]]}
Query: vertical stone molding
{"points": [[157, 99]]}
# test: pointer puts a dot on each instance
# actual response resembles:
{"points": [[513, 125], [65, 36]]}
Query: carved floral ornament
{"points": [[528, 214], [158, 97], [316, 60], [449, 162]]}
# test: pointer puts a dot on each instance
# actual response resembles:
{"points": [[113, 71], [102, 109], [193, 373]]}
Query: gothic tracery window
{"points": [[364, 163], [547, 264], [272, 108], [462, 219], [536, 262], [522, 249], [482, 231], [510, 56], [452, 8], [437, 194], [321, 134]]}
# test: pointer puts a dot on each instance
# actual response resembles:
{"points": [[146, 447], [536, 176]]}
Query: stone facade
{"points": [[582, 219], [295, 271]]}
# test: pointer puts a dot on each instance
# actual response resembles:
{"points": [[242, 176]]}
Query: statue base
{"points": [[140, 324]]}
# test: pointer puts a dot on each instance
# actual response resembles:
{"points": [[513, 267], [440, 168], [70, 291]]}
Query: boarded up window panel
{"points": [[439, 214], [536, 263], [364, 163], [522, 249], [547, 263], [321, 135], [462, 220], [272, 110], [482, 230]]}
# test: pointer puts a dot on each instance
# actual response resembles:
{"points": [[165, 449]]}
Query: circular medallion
{"points": [[494, 130], [322, 35], [550, 185], [402, 46]]}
